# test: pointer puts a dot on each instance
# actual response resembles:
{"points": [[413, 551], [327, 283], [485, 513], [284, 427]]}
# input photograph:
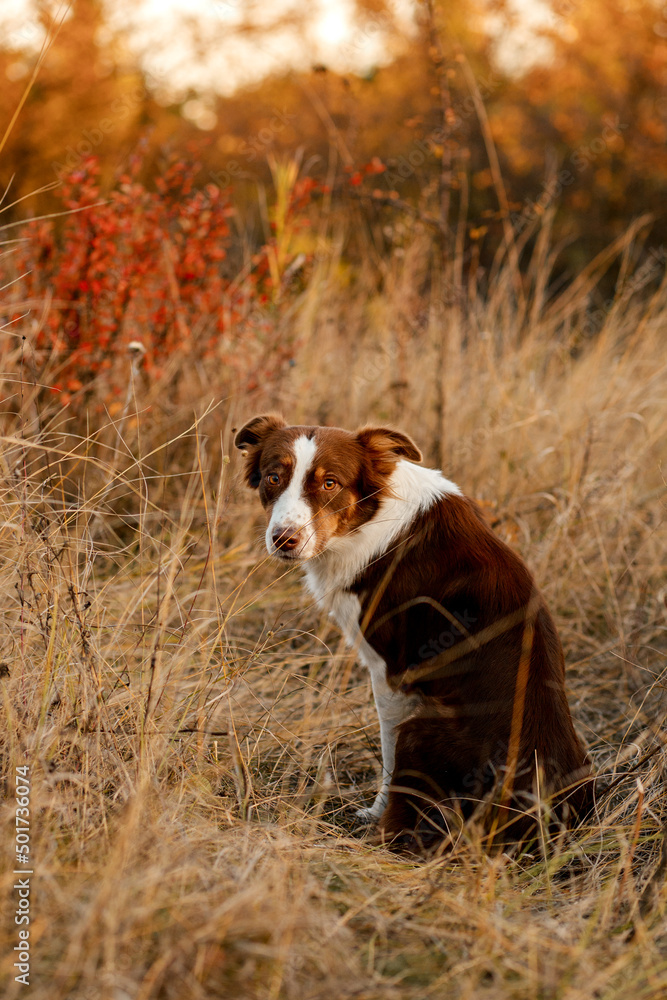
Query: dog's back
{"points": [[456, 616]]}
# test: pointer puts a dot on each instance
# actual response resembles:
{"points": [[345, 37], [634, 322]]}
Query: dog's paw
{"points": [[367, 816]]}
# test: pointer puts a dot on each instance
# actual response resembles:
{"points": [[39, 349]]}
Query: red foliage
{"points": [[150, 265], [145, 265]]}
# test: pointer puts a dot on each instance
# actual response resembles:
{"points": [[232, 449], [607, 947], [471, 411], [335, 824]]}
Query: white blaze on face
{"points": [[291, 510]]}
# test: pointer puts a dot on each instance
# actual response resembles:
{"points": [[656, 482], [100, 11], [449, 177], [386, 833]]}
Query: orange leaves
{"points": [[483, 179], [149, 260], [374, 166]]}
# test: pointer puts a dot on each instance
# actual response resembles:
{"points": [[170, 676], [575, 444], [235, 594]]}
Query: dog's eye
{"points": [[273, 479], [329, 483]]}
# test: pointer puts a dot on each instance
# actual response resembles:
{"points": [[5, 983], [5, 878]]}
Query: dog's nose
{"points": [[286, 538]]}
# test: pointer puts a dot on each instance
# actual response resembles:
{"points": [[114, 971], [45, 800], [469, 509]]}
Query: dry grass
{"points": [[197, 733]]}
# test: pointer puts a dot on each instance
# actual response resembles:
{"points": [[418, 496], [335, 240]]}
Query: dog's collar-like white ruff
{"points": [[412, 489]]}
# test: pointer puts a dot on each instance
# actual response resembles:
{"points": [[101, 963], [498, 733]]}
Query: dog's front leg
{"points": [[393, 707]]}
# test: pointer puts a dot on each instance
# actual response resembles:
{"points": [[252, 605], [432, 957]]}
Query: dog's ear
{"points": [[251, 438], [387, 443], [257, 429]]}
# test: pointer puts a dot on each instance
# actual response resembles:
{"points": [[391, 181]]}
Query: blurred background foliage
{"points": [[579, 126]]}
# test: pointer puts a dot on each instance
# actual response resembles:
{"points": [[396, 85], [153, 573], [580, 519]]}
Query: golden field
{"points": [[197, 734]]}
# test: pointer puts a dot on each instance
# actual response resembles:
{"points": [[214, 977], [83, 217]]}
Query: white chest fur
{"points": [[345, 610], [411, 490], [393, 707]]}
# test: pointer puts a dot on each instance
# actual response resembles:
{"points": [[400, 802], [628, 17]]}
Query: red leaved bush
{"points": [[146, 265]]}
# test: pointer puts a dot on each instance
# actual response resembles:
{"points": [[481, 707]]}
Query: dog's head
{"points": [[318, 483]]}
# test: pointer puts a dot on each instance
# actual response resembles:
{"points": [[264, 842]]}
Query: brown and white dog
{"points": [[465, 662]]}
